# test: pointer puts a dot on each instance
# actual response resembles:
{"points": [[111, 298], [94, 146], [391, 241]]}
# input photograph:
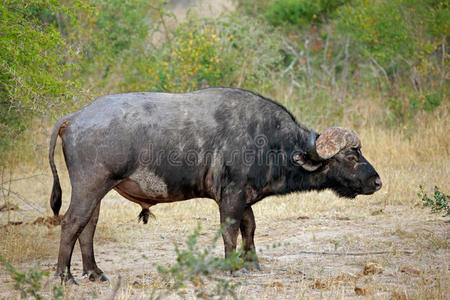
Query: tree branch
{"points": [[356, 253]]}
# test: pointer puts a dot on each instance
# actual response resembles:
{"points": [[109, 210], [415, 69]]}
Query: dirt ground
{"points": [[310, 254]]}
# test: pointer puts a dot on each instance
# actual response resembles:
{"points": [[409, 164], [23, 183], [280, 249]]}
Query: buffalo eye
{"points": [[352, 158], [357, 150]]}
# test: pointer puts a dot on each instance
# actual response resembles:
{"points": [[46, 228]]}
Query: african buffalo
{"points": [[228, 144]]}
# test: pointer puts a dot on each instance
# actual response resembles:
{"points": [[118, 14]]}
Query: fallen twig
{"points": [[22, 198], [28, 177], [116, 288], [355, 253]]}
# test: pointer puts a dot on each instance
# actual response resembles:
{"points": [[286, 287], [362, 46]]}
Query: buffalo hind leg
{"points": [[248, 227], [86, 239], [83, 203]]}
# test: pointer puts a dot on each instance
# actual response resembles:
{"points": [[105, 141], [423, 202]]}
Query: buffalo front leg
{"points": [[248, 227], [86, 239], [231, 208]]}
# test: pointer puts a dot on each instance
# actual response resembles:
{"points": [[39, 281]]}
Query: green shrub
{"points": [[195, 58], [33, 65], [292, 12], [111, 28], [29, 283], [439, 203], [380, 29], [400, 36], [300, 12], [431, 101], [405, 106], [203, 52], [199, 268]]}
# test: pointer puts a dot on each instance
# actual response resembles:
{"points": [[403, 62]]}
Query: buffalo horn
{"points": [[311, 147]]}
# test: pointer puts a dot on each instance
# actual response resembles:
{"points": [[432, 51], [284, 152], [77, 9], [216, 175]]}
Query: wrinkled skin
{"points": [[230, 145]]}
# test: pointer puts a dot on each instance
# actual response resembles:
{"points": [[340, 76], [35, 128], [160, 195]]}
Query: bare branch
{"points": [[21, 198], [380, 67], [116, 288], [356, 253], [28, 177]]}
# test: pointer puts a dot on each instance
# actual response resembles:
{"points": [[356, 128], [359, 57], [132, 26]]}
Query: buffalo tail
{"points": [[55, 198]]}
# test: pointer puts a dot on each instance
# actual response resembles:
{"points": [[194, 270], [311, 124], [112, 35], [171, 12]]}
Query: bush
{"points": [[391, 50], [204, 52], [402, 37], [197, 267], [33, 65], [300, 12], [380, 30], [439, 203], [110, 29], [29, 283]]}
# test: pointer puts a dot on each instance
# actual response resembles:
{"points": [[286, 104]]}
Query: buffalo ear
{"points": [[306, 163]]}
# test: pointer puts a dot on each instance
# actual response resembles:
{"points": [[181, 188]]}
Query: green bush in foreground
{"points": [[199, 268], [439, 203], [29, 283]]}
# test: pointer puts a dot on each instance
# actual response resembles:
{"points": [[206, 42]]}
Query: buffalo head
{"points": [[335, 156]]}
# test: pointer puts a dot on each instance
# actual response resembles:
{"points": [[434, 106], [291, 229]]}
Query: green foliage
{"points": [[112, 27], [300, 12], [120, 23], [334, 50], [29, 283], [33, 65], [197, 267], [435, 16], [400, 36], [380, 29], [204, 52], [195, 57], [292, 12], [405, 107], [431, 101], [439, 203]]}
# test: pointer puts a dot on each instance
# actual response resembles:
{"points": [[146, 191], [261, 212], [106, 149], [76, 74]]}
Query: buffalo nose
{"points": [[378, 183]]}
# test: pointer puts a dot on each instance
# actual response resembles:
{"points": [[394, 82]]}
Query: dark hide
{"points": [[230, 145]]}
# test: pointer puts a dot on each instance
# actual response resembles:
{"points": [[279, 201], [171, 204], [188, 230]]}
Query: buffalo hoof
{"points": [[93, 276], [240, 272], [104, 277], [71, 281], [253, 265], [67, 280]]}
